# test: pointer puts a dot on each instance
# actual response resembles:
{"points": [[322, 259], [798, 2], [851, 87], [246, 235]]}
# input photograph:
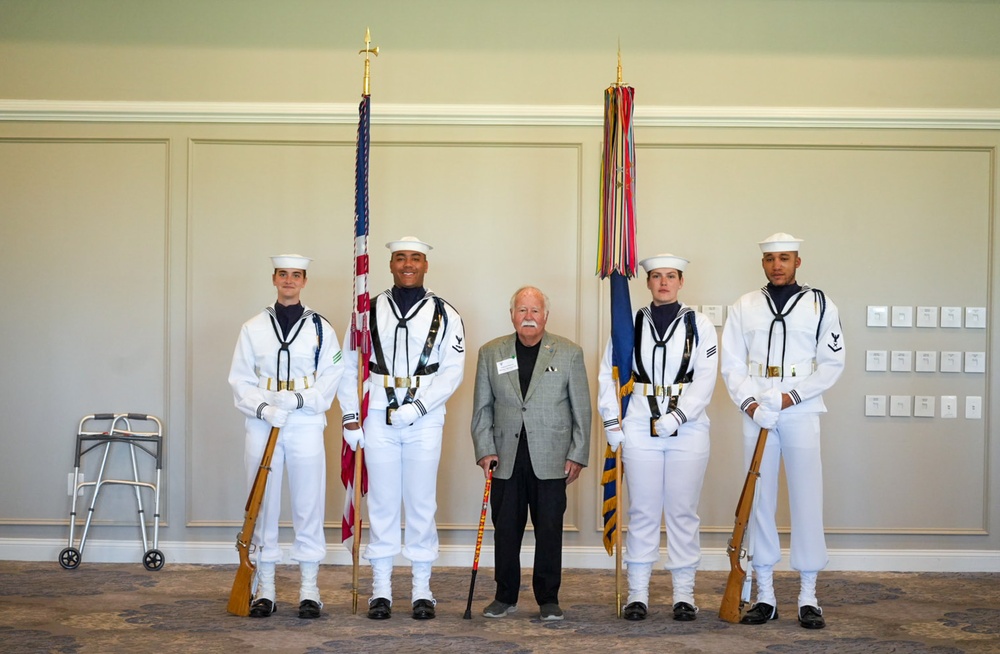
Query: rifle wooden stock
{"points": [[731, 608], [242, 592]]}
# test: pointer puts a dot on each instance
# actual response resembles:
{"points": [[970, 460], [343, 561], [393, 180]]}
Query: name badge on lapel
{"points": [[506, 365]]}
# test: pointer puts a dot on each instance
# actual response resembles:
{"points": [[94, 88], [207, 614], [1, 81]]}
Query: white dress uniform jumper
{"points": [[795, 348], [418, 361], [307, 361], [674, 375]]}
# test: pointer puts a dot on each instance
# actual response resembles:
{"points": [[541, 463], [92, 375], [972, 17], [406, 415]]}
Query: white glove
{"points": [[615, 438], [764, 417], [286, 400], [667, 425], [354, 437], [274, 416], [770, 399], [404, 416]]}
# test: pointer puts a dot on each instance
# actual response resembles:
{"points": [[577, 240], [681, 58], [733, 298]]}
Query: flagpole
{"points": [[363, 354], [619, 474], [617, 261]]}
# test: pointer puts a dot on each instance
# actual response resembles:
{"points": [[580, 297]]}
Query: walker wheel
{"points": [[153, 560], [69, 558]]}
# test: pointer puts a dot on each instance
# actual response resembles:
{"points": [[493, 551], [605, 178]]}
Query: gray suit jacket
{"points": [[555, 411]]}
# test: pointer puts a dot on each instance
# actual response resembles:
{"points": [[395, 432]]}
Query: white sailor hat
{"points": [[290, 261], [408, 244], [780, 242], [664, 261]]}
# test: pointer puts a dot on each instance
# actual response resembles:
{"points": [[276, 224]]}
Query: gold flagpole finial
{"points": [[619, 62], [368, 49]]}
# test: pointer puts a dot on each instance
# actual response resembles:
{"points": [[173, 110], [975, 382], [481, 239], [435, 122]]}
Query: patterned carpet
{"points": [[182, 608]]}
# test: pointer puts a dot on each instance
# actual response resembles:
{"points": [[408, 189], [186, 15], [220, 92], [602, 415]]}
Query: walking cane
{"points": [[479, 539]]}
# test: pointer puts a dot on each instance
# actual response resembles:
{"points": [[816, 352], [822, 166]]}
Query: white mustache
{"points": [[529, 323]]}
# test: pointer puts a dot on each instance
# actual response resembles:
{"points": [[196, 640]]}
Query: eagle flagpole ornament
{"points": [[352, 469], [616, 259]]}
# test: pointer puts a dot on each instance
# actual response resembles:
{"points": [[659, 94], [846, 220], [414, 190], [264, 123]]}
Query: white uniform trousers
{"points": [[796, 439], [402, 470], [664, 476], [300, 450]]}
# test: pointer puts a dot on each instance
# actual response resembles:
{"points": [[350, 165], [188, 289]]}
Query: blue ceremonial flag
{"points": [[617, 261], [622, 342]]}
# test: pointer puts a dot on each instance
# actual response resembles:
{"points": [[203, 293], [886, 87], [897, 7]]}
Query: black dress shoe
{"points": [[423, 609], [262, 608], [634, 611], [379, 609], [684, 612], [308, 609], [811, 617], [760, 614]]}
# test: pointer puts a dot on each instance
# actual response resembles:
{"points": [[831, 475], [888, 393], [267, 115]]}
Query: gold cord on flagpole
{"points": [[369, 50]]}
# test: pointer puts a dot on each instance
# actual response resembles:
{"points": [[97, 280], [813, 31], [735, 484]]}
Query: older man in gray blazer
{"points": [[532, 417]]}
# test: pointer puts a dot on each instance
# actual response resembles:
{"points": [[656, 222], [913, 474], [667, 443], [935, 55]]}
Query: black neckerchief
{"points": [[663, 315], [781, 294], [405, 298], [287, 316], [527, 355]]}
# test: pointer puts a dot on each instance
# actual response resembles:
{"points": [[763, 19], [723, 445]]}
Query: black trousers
{"points": [[511, 501]]}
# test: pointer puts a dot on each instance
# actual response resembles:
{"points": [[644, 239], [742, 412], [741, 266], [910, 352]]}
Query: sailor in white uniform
{"points": [[285, 373], [665, 434], [782, 347], [417, 362]]}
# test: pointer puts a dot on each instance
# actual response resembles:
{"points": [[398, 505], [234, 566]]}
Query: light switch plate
{"points": [[951, 362], [949, 406], [975, 362], [927, 316], [923, 406], [874, 405], [875, 361], [975, 317], [951, 317], [902, 361], [899, 406], [926, 361], [878, 316], [714, 313], [973, 407], [902, 316]]}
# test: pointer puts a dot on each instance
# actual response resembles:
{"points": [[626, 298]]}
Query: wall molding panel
{"points": [[493, 115]]}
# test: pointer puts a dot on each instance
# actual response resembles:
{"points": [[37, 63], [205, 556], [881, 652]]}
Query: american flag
{"points": [[360, 333]]}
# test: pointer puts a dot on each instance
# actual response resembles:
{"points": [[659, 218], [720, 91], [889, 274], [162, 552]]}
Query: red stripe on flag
{"points": [[361, 265]]}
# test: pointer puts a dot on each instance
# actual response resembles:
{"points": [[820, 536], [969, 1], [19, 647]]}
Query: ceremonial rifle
{"points": [[242, 592], [733, 600]]}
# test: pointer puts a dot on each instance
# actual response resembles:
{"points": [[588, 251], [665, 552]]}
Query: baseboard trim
{"points": [[867, 560]]}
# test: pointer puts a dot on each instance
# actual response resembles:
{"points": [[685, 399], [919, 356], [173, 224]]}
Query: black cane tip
{"points": [[468, 615]]}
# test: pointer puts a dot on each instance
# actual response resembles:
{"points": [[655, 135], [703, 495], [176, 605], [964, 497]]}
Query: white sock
{"points": [[422, 582], [265, 580], [765, 584], [308, 589], [683, 582], [382, 578], [638, 582], [807, 589]]}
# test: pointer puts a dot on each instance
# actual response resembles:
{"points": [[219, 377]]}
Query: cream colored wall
{"points": [[135, 247]]}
